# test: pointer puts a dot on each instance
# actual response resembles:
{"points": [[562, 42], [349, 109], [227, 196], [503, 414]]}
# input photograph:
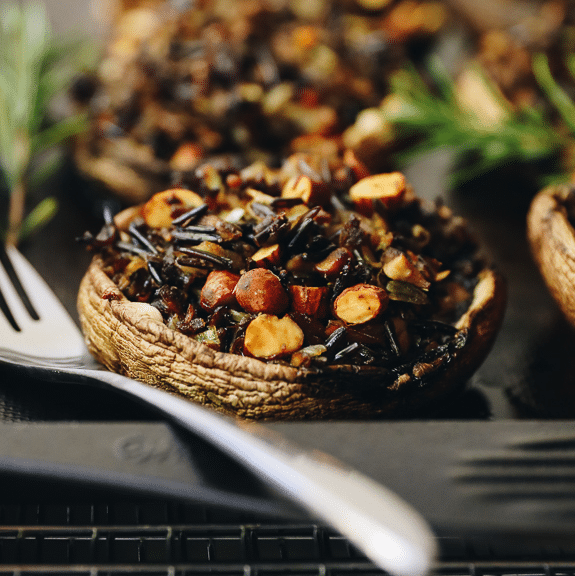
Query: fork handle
{"points": [[387, 529]]}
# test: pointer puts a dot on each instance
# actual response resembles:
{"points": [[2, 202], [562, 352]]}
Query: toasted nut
{"points": [[311, 192], [359, 169], [310, 300], [268, 336], [267, 256], [213, 248], [442, 275], [332, 265], [186, 156], [211, 178], [133, 265], [387, 188], [360, 303], [124, 218], [158, 211], [258, 196], [399, 267], [260, 290], [218, 289], [295, 213]]}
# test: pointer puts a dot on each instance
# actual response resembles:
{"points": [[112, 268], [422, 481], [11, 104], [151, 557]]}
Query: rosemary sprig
{"points": [[429, 113], [34, 69]]}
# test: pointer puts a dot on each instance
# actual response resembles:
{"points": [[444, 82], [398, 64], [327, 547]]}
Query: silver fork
{"points": [[36, 332]]}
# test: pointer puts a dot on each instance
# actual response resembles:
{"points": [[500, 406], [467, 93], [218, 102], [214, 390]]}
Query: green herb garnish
{"points": [[34, 69], [428, 115]]}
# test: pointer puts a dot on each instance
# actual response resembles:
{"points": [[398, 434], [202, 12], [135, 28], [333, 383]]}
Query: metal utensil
{"points": [[37, 332]]}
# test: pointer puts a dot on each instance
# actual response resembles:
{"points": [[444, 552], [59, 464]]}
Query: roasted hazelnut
{"points": [[268, 336], [333, 264], [389, 189], [398, 266], [186, 156], [309, 300], [218, 289], [311, 192], [267, 256], [260, 290], [159, 210], [360, 303]]}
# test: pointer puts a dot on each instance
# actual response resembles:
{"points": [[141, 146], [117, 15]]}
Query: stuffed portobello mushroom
{"points": [[313, 290], [551, 235]]}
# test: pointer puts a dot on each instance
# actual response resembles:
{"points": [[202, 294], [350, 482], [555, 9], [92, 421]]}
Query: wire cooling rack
{"points": [[119, 537], [173, 539]]}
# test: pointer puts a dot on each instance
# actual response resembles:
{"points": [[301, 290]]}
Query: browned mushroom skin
{"points": [[130, 338], [552, 239], [134, 338]]}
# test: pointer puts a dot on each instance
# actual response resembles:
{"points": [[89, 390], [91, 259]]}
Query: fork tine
{"points": [[8, 313], [15, 280], [11, 304], [52, 335]]}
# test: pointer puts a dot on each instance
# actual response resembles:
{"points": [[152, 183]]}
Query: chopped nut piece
{"points": [[442, 275], [186, 157], [360, 303], [397, 266], [387, 188], [213, 248], [159, 211], [331, 266], [260, 290], [310, 300], [211, 178], [133, 265], [267, 256], [268, 336], [295, 213], [258, 196], [124, 218], [218, 289], [311, 192]]}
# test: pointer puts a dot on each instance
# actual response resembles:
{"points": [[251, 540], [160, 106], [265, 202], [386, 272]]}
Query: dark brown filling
{"points": [[322, 252]]}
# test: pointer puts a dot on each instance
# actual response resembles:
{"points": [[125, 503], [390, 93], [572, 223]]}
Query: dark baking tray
{"points": [[497, 464]]}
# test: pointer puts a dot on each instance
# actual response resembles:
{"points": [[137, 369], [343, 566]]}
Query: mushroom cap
{"points": [[552, 240], [130, 338]]}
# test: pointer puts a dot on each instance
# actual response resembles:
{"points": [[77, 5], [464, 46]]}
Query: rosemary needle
{"points": [[431, 117], [34, 69]]}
